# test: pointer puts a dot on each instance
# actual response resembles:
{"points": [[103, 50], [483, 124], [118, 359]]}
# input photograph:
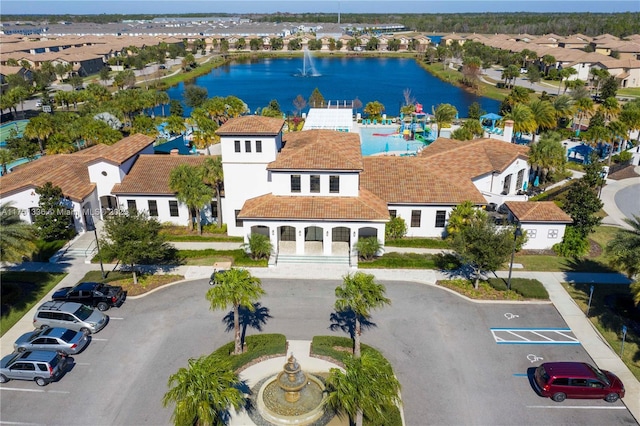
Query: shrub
{"points": [[572, 245], [527, 288], [212, 228], [368, 248], [259, 245], [623, 157], [257, 346], [432, 243], [447, 261], [396, 228]]}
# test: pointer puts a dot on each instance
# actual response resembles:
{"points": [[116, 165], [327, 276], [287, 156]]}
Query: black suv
{"points": [[100, 295]]}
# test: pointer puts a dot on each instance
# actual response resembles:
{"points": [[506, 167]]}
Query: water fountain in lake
{"points": [[308, 68], [293, 397]]}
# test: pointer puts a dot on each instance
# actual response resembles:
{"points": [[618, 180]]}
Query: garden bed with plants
{"points": [[496, 289]]}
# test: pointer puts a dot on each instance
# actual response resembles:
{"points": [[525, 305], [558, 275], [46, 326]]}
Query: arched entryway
{"points": [[313, 240], [286, 240], [340, 241]]}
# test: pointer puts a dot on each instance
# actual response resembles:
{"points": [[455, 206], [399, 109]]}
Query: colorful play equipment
{"points": [[414, 126]]}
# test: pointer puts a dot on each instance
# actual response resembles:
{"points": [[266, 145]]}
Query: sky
{"points": [[85, 7]]}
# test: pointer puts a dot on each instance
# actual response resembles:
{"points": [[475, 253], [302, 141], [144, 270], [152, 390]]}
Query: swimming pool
{"points": [[386, 139]]}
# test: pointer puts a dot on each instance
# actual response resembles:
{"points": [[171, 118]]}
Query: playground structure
{"points": [[414, 126]]}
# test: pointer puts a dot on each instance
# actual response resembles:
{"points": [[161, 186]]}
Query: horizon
{"points": [[159, 7]]}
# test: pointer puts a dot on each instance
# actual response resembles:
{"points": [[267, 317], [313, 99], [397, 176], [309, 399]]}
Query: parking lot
{"points": [[443, 348]]}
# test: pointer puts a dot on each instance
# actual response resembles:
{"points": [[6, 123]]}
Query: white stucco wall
{"points": [[164, 216], [493, 184], [105, 175], [281, 183], [427, 226], [542, 236], [327, 226]]}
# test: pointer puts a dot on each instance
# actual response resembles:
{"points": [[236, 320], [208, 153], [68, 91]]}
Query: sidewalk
{"points": [[603, 356]]}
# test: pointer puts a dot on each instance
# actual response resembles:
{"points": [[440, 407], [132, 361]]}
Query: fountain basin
{"points": [[274, 407]]}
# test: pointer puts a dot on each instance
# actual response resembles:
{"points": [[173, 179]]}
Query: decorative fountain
{"points": [[293, 397], [308, 68]]}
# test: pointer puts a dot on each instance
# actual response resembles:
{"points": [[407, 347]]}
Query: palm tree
{"points": [[259, 246], [16, 236], [204, 392], [584, 108], [624, 248], [360, 294], [213, 175], [175, 125], [461, 216], [548, 60], [39, 128], [616, 131], [563, 105], [367, 388], [444, 115], [548, 155], [236, 287], [187, 182], [565, 73], [523, 119], [6, 157], [543, 115], [610, 108]]}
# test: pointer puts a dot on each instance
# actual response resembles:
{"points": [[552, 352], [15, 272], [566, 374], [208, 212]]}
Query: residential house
{"points": [[543, 222]]}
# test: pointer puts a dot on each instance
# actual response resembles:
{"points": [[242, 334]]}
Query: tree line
{"points": [[591, 24]]}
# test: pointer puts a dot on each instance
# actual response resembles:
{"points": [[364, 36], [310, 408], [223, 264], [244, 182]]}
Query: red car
{"points": [[561, 380]]}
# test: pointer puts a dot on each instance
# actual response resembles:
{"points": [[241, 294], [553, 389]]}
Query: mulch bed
{"points": [[626, 173]]}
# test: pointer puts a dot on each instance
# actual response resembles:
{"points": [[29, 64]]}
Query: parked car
{"points": [[561, 380], [71, 315], [99, 295], [40, 366], [52, 339]]}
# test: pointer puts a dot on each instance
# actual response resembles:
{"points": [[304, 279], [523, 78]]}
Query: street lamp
{"points": [[91, 224], [516, 233]]}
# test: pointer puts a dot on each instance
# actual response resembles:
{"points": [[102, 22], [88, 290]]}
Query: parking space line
{"points": [[116, 318], [31, 390], [2, 422], [578, 407], [534, 336], [95, 339]]}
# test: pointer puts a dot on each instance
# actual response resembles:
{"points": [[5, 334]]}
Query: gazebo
{"points": [[490, 117], [582, 150]]}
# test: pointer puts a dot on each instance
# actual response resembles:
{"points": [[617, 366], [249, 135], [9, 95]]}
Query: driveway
{"points": [[443, 348]]}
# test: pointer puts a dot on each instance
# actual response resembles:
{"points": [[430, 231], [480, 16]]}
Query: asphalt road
{"points": [[628, 201], [442, 348]]}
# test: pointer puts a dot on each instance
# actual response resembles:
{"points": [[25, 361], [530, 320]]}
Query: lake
{"points": [[259, 81]]}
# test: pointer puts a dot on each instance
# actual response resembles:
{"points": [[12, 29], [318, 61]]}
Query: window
{"points": [[247, 146], [507, 185], [441, 217], [236, 146], [295, 183], [314, 184], [131, 205], [214, 209], [334, 184], [415, 218], [552, 234], [563, 381], [238, 221], [519, 180], [258, 146], [532, 233], [393, 213], [153, 208], [173, 208]]}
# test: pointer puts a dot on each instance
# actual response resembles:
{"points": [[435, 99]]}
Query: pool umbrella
{"points": [[537, 181]]}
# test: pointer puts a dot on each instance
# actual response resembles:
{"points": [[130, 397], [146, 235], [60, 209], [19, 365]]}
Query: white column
{"points": [[300, 240], [327, 249]]}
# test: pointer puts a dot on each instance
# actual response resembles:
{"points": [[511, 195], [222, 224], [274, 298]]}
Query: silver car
{"points": [[71, 315], [42, 367], [52, 339]]}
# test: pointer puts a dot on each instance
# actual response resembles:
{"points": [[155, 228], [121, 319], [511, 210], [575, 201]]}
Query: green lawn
{"points": [[611, 308], [20, 291]]}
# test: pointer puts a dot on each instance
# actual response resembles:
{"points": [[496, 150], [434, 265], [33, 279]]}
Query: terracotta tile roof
{"points": [[416, 180], [538, 211], [125, 148], [365, 207], [251, 125], [150, 174], [67, 171], [472, 158], [319, 150]]}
